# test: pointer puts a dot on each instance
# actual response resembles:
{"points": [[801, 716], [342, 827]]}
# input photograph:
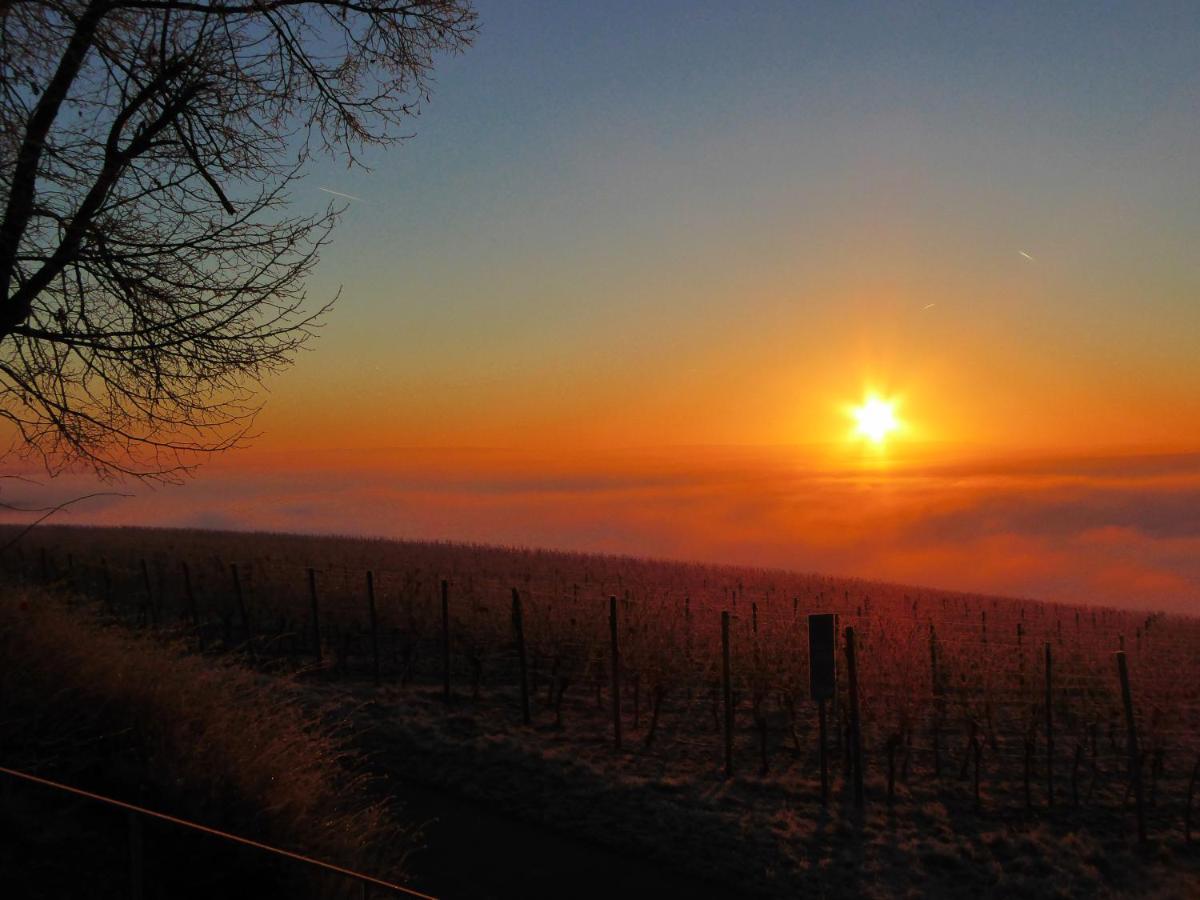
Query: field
{"points": [[990, 735]]}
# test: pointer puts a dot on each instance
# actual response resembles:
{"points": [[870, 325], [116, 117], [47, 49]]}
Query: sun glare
{"points": [[875, 419]]}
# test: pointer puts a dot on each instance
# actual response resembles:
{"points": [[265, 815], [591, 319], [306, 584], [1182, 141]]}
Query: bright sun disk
{"points": [[875, 419]]}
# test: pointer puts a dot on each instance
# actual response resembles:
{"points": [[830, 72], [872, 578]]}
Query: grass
{"points": [[138, 719]]}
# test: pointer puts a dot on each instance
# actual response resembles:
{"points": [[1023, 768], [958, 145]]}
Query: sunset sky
{"points": [[675, 223], [639, 259]]}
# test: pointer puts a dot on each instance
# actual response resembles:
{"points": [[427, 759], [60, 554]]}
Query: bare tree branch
{"points": [[150, 274]]}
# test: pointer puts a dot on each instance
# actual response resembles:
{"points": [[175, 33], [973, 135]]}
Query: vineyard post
{"points": [[1029, 751], [1135, 762], [72, 585], [933, 676], [933, 661], [824, 753], [45, 563], [445, 641], [687, 625], [1049, 726], [374, 624], [977, 756], [727, 693], [519, 634], [108, 588], [835, 710], [1187, 818], [1021, 653], [616, 671], [190, 595], [241, 602], [855, 724], [316, 613], [151, 618]]}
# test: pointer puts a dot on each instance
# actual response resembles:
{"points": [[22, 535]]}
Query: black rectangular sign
{"points": [[822, 656]]}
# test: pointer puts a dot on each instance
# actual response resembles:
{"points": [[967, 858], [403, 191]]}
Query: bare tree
{"points": [[150, 274]]}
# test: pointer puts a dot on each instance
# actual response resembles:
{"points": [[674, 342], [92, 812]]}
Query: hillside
{"points": [[994, 749]]}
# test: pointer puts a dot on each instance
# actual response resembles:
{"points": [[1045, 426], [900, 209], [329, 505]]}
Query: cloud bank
{"points": [[1119, 530]]}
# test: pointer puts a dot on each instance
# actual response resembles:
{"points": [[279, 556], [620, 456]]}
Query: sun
{"points": [[875, 419]]}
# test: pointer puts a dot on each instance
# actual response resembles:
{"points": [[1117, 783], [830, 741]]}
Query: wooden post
{"points": [[1049, 726], [1029, 751], [761, 722], [687, 628], [241, 602], [136, 869], [727, 693], [316, 613], [374, 620], [1187, 817], [933, 662], [977, 755], [855, 724], [1076, 762], [1021, 654], [616, 671], [936, 692], [824, 752], [108, 588], [519, 634], [893, 742], [190, 595], [1135, 759], [151, 618], [835, 712], [637, 700], [445, 641]]}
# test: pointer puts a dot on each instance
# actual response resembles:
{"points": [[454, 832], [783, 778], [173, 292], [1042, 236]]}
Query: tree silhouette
{"points": [[150, 274]]}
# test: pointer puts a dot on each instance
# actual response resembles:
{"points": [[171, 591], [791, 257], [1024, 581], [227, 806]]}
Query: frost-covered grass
{"points": [[754, 835]]}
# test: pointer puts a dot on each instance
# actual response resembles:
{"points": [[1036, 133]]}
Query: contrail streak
{"points": [[340, 194], [1026, 255]]}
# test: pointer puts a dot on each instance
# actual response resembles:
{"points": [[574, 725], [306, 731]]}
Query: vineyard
{"points": [[1007, 707]]}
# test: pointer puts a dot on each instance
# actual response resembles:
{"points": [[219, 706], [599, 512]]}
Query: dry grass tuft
{"points": [[106, 709]]}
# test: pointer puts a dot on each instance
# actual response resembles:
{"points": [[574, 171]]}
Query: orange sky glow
{"points": [[625, 299]]}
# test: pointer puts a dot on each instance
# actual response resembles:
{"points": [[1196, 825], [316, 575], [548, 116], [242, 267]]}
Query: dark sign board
{"points": [[822, 656]]}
